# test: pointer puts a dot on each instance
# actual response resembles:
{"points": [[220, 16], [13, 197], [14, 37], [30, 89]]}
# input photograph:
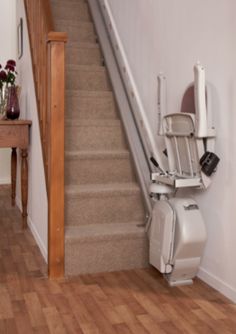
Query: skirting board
{"points": [[217, 284], [5, 180], [33, 230]]}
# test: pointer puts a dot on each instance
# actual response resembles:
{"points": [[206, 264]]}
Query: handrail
{"points": [[48, 60]]}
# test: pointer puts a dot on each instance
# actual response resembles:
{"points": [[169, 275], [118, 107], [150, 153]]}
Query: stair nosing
{"points": [[86, 68], [90, 93], [85, 154], [103, 190], [83, 45], [75, 23], [102, 232], [93, 122]]}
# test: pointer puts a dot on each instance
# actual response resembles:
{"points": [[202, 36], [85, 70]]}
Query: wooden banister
{"points": [[48, 59]]}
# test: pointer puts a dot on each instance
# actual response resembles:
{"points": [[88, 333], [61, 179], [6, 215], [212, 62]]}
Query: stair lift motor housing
{"points": [[177, 239]]}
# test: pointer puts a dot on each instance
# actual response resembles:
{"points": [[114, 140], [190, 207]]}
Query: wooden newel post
{"points": [[56, 101]]}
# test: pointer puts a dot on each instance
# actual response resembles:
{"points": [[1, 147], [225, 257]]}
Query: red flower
{"points": [[11, 62], [3, 76], [10, 67]]}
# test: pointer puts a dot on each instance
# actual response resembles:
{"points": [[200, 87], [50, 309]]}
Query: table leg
{"points": [[24, 186], [13, 175]]}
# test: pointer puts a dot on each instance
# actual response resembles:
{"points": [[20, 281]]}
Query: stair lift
{"points": [[177, 232]]}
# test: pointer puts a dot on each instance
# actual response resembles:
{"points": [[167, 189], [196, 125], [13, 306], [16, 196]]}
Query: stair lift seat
{"points": [[177, 232]]}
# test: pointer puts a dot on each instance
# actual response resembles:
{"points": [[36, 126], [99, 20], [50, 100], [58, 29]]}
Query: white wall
{"points": [[170, 36], [37, 201], [8, 51]]}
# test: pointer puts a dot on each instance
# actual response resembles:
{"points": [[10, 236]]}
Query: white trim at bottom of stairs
{"points": [[35, 233], [5, 180], [216, 283]]}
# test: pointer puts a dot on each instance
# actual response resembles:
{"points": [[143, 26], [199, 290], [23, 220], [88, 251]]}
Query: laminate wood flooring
{"points": [[137, 301]]}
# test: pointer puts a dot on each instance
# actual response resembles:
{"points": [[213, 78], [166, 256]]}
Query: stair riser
{"points": [[88, 80], [72, 11], [105, 256], [84, 210], [91, 108], [83, 56], [82, 171], [94, 138], [83, 33]]}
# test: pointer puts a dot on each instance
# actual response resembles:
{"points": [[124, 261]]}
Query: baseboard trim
{"points": [[5, 180], [34, 231], [218, 284], [39, 242]]}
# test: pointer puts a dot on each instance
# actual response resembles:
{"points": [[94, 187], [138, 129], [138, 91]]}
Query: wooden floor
{"points": [[135, 302]]}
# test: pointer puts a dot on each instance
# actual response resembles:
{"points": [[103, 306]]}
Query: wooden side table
{"points": [[15, 134]]}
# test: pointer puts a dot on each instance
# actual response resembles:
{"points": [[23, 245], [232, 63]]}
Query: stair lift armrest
{"points": [[211, 133], [200, 101]]}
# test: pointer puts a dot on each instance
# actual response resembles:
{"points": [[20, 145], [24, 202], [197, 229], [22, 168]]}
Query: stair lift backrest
{"points": [[182, 145]]}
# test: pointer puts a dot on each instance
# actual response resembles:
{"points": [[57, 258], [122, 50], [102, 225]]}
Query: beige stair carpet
{"points": [[104, 213]]}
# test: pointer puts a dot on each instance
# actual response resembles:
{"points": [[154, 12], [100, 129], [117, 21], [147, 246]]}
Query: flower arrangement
{"points": [[8, 74], [7, 79]]}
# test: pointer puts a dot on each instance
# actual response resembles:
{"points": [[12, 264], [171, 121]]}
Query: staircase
{"points": [[104, 214]]}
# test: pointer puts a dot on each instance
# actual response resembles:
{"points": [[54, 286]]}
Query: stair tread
{"points": [[68, 2], [105, 231], [97, 154], [79, 23], [87, 68], [105, 189], [82, 45], [94, 122], [89, 93]]}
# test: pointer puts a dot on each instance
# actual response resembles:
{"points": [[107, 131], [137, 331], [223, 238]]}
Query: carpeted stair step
{"points": [[70, 10], [90, 105], [94, 135], [103, 204], [97, 167], [77, 31], [104, 248], [83, 54], [85, 77]]}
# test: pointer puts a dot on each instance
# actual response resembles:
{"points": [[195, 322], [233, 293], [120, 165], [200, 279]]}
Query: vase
{"points": [[13, 109], [3, 101]]}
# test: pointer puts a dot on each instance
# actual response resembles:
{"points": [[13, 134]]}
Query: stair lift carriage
{"points": [[177, 232]]}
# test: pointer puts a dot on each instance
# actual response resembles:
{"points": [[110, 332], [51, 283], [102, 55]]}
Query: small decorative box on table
{"points": [[15, 134]]}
